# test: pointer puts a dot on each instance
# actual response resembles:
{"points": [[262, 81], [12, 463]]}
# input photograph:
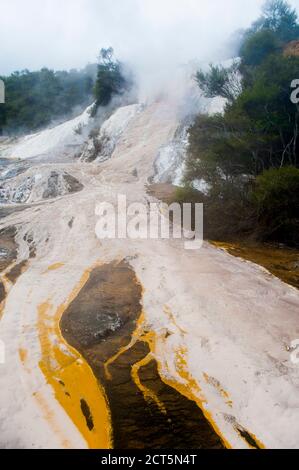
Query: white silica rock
{"points": [[32, 186], [61, 140], [169, 164], [101, 146]]}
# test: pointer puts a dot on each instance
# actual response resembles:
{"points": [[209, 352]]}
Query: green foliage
{"points": [[219, 148], [277, 26], [258, 130], [276, 197], [34, 99], [258, 134], [110, 78], [258, 46], [228, 212], [271, 116], [219, 81], [188, 194], [279, 17]]}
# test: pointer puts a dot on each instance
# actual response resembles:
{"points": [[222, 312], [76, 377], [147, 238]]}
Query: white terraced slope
{"points": [[227, 321]]}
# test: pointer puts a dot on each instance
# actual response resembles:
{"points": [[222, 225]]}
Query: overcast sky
{"points": [[62, 34]]}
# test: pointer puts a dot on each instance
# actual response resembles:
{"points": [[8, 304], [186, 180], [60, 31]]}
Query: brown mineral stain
{"points": [[8, 254], [250, 438], [281, 262], [2, 294], [105, 323], [8, 247], [16, 271]]}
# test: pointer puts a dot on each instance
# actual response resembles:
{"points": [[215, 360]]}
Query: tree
{"points": [[220, 81], [258, 130], [110, 78], [250, 153], [267, 105], [279, 17], [34, 99]]}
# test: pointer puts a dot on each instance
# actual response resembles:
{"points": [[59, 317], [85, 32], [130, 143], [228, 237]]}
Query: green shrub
{"points": [[228, 214], [276, 197], [187, 194], [258, 46]]}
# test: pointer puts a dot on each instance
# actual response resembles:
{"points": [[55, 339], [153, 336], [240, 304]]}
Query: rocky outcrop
{"points": [[102, 143], [34, 187]]}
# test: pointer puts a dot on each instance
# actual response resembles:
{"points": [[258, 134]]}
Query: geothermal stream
{"points": [[133, 343]]}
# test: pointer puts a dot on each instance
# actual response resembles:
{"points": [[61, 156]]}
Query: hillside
{"points": [[230, 357]]}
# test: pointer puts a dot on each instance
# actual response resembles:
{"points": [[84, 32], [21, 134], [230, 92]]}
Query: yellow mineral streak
{"points": [[168, 312], [259, 444], [217, 385], [71, 377], [68, 363], [135, 337], [148, 394], [55, 266], [2, 305], [139, 334], [23, 353], [189, 388]]}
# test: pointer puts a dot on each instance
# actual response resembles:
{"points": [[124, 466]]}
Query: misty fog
{"points": [[162, 41], [154, 36]]}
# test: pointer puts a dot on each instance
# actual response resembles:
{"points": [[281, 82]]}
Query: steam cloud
{"points": [[155, 37]]}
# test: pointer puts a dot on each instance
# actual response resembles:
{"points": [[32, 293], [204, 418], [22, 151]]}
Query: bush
{"points": [[258, 46], [276, 197], [188, 194], [228, 213], [220, 81]]}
